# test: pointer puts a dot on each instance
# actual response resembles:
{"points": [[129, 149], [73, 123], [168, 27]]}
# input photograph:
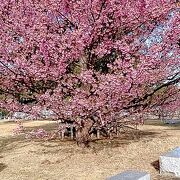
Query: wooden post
{"points": [[92, 136], [117, 132], [98, 133], [136, 126], [62, 134], [71, 128]]}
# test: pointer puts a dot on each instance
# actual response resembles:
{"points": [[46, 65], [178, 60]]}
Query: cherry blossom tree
{"points": [[87, 60]]}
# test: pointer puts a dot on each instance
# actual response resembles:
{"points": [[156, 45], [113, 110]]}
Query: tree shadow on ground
{"points": [[47, 127], [12, 142], [70, 146], [97, 144], [124, 139], [2, 166]]}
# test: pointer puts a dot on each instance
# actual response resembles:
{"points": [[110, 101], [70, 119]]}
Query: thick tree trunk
{"points": [[83, 133]]}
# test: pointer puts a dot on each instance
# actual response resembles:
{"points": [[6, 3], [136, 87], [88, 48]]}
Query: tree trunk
{"points": [[82, 133]]}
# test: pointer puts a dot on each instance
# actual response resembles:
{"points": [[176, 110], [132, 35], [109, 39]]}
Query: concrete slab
{"points": [[170, 163], [131, 175]]}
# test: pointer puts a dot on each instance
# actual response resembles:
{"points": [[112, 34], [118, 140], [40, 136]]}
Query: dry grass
{"points": [[21, 159]]}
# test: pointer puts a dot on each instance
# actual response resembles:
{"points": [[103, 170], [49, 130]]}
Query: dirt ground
{"points": [[22, 159]]}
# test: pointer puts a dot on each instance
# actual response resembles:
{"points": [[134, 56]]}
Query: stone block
{"points": [[131, 175], [170, 163]]}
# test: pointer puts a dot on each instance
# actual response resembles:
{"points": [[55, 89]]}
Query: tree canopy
{"points": [[81, 58]]}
